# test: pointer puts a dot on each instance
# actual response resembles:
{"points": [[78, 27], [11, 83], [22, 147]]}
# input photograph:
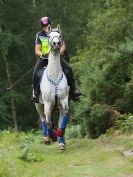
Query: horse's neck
{"points": [[54, 66]]}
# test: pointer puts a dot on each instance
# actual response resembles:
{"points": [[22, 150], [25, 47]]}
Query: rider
{"points": [[42, 50]]}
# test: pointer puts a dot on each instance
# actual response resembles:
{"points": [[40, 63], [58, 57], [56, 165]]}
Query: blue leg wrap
{"points": [[64, 122], [61, 140], [62, 127], [50, 132], [44, 129]]}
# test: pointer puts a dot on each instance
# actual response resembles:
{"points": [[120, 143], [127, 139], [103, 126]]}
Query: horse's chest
{"points": [[50, 91], [58, 90]]}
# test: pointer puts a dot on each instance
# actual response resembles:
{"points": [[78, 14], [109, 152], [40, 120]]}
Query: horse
{"points": [[54, 90]]}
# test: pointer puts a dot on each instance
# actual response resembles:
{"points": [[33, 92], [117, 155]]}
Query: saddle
{"points": [[41, 68], [38, 73]]}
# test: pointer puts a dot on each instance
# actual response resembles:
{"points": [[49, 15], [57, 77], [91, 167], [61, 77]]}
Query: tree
{"points": [[104, 67]]}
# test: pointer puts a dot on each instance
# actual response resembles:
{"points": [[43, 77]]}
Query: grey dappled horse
{"points": [[54, 88]]}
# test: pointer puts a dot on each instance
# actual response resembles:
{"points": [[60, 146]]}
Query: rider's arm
{"points": [[63, 48], [38, 50], [38, 46]]}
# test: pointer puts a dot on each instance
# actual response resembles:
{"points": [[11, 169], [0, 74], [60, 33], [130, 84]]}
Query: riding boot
{"points": [[38, 70], [65, 56], [35, 97], [74, 93]]}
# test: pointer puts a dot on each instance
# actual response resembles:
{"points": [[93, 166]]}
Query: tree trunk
{"points": [[34, 3], [1, 2], [65, 7], [59, 4], [13, 107], [0, 29]]}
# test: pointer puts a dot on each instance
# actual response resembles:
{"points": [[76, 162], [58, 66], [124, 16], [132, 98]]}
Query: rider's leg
{"points": [[39, 67], [65, 56], [74, 94]]}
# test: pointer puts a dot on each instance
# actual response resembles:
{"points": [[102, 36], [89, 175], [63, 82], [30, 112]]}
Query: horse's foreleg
{"points": [[65, 107], [51, 133], [47, 111], [63, 121], [40, 109]]}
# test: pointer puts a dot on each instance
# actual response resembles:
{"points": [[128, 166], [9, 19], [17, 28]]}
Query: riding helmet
{"points": [[45, 21]]}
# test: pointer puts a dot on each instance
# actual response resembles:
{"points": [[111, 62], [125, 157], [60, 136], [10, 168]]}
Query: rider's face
{"points": [[46, 28]]}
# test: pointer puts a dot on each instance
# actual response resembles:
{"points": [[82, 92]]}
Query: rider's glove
{"points": [[41, 56], [44, 57]]}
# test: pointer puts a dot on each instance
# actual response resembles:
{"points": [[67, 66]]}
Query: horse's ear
{"points": [[58, 28]]}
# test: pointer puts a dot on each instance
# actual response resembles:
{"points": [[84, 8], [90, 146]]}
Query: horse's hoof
{"points": [[47, 140], [62, 147], [53, 137]]}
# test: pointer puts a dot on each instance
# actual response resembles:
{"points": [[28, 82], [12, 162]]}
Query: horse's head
{"points": [[55, 39]]}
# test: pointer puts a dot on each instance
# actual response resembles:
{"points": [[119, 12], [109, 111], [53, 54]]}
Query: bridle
{"points": [[52, 49]]}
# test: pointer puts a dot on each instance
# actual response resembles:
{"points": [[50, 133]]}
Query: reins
{"points": [[21, 78]]}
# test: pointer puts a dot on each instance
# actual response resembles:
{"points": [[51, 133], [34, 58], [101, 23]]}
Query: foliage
{"points": [[104, 67], [124, 123], [73, 131], [98, 120], [25, 150], [7, 168], [99, 39], [17, 36], [103, 160]]}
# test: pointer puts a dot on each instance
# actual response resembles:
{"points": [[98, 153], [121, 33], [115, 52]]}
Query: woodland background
{"points": [[99, 39]]}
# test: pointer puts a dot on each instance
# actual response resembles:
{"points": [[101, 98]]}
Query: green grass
{"points": [[25, 155]]}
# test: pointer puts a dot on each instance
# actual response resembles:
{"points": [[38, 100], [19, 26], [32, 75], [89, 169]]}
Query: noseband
{"points": [[53, 50]]}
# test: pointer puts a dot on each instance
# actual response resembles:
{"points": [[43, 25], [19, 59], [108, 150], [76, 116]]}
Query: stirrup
{"points": [[75, 96], [35, 98]]}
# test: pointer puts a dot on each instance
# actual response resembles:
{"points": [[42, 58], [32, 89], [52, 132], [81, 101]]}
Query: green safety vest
{"points": [[45, 48]]}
